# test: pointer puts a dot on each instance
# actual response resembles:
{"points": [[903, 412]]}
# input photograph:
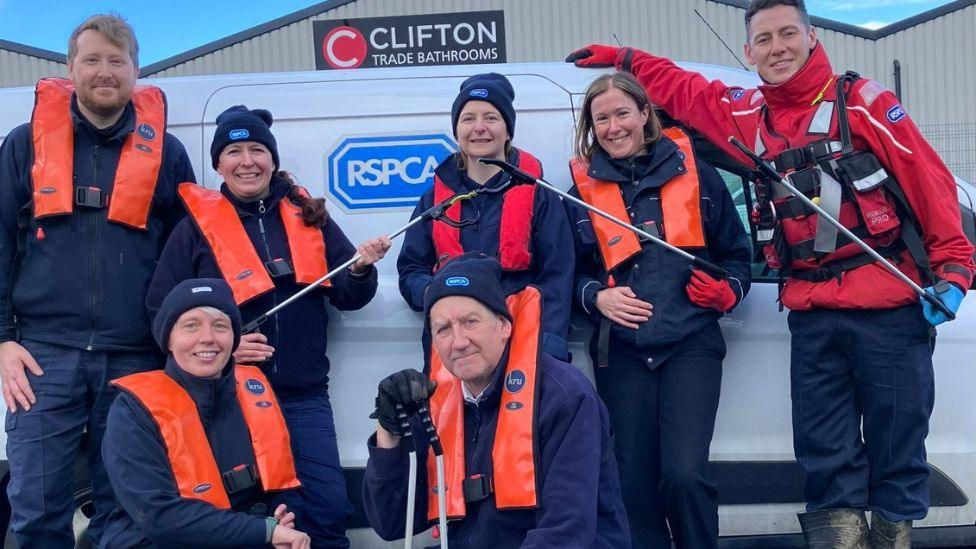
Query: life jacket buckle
{"points": [[240, 478], [91, 197], [476, 488], [279, 267]]}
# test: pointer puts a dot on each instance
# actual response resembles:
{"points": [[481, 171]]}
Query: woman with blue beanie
{"points": [[268, 239], [525, 228], [198, 453]]}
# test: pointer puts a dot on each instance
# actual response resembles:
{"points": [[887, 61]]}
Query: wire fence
{"points": [[956, 144]]}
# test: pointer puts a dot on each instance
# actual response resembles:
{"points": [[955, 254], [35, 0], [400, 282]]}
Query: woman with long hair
{"points": [[657, 348]]}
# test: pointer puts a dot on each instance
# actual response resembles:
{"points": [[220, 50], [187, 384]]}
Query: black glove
{"points": [[406, 388]]}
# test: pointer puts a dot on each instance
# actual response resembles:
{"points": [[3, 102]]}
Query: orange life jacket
{"points": [[515, 231], [190, 456], [680, 207], [236, 257], [514, 478], [52, 174]]}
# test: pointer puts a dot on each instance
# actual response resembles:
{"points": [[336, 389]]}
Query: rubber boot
{"points": [[890, 535], [835, 529]]}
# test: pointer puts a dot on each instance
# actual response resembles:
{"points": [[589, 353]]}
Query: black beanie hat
{"points": [[491, 87], [190, 294], [237, 123], [474, 275]]}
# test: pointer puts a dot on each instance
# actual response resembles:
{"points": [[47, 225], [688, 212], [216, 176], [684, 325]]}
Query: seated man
{"points": [[198, 453], [548, 479]]}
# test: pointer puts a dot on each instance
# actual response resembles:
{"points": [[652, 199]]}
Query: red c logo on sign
{"points": [[344, 48]]}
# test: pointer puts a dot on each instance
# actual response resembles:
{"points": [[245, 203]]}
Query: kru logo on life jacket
{"points": [[514, 381], [515, 231], [254, 386], [187, 447], [514, 466], [221, 227], [146, 132], [136, 174], [680, 207]]}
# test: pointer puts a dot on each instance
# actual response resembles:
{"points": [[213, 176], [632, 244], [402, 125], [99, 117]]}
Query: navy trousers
{"points": [[43, 443], [325, 506], [663, 420], [870, 366]]}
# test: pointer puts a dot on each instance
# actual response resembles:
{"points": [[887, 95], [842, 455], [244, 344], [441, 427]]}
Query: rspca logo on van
{"points": [[384, 172]]}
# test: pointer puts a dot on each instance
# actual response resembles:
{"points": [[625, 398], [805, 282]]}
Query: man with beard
{"points": [[87, 199]]}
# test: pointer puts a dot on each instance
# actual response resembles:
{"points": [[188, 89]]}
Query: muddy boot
{"points": [[890, 535], [835, 529]]}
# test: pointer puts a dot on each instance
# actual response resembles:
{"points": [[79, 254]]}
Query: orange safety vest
{"points": [[190, 456], [680, 207], [236, 257], [52, 175], [515, 231], [514, 478]]}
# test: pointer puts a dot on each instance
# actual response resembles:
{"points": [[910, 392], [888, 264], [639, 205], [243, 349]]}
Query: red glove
{"points": [[705, 291], [597, 55]]}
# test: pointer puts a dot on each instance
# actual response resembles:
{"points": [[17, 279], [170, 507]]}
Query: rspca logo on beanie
{"points": [[237, 135], [455, 281], [478, 92], [896, 113]]}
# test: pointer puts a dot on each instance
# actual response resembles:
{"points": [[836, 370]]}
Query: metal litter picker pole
{"points": [[438, 449], [707, 266], [771, 172], [433, 212], [411, 476]]}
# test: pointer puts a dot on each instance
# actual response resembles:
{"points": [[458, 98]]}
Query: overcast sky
{"points": [[172, 27]]}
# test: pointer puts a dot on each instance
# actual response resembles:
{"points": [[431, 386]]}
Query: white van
{"points": [[368, 140]]}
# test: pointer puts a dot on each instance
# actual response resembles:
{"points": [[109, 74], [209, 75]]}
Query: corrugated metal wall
{"points": [[17, 69], [936, 80]]}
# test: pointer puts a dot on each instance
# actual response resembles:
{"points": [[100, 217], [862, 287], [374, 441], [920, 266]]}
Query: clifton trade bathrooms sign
{"points": [[466, 38]]}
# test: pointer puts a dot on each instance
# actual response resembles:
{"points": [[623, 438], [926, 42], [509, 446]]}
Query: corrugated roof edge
{"points": [[246, 34], [868, 34], [321, 7], [32, 51]]}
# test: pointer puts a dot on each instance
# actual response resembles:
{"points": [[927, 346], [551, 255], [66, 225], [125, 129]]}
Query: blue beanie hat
{"points": [[491, 87], [190, 294], [237, 123], [474, 275]]}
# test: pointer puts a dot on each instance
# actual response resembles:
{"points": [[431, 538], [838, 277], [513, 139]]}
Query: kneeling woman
{"points": [[198, 453], [268, 239], [657, 350], [525, 228]]}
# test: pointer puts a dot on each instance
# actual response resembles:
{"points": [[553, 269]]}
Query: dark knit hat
{"points": [[237, 123], [474, 275], [190, 294], [491, 87]]}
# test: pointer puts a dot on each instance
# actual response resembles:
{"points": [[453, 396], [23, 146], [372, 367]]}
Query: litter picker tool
{"points": [[411, 476], [438, 449], [437, 211], [771, 172], [712, 269]]}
